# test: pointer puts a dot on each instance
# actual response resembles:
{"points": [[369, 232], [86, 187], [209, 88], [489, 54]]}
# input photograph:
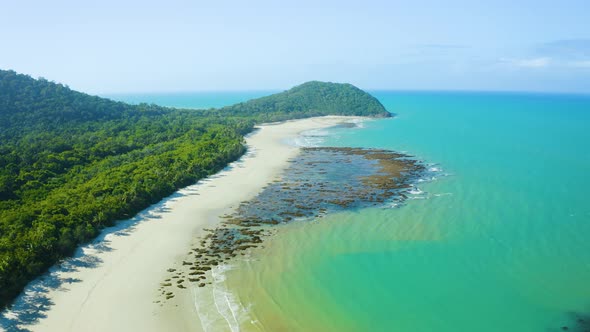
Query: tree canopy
{"points": [[72, 164], [310, 99]]}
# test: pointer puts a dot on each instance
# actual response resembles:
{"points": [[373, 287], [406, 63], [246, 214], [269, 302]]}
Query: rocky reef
{"points": [[318, 181]]}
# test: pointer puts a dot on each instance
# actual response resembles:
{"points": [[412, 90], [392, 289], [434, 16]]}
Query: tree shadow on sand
{"points": [[35, 301]]}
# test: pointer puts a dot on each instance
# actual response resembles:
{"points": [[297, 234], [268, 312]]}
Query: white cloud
{"points": [[533, 62], [580, 64], [537, 62], [546, 62]]}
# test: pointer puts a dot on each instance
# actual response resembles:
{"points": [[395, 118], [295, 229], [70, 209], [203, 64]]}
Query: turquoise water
{"points": [[498, 242]]}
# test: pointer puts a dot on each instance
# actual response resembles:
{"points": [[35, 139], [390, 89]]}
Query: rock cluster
{"points": [[318, 181]]}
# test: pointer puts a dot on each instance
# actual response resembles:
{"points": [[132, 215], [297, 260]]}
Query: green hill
{"points": [[72, 164], [311, 99]]}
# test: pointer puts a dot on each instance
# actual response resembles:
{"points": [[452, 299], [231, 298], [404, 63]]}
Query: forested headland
{"points": [[72, 164]]}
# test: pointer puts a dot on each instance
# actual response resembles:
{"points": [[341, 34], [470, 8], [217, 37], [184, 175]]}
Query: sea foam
{"points": [[227, 312]]}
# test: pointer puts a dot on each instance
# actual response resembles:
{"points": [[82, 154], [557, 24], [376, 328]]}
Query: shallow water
{"points": [[498, 244]]}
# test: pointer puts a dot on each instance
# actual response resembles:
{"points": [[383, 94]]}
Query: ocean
{"points": [[495, 238]]}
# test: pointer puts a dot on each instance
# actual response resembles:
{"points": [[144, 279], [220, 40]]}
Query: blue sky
{"points": [[114, 46]]}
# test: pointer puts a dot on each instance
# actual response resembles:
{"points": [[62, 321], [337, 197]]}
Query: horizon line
{"points": [[412, 90]]}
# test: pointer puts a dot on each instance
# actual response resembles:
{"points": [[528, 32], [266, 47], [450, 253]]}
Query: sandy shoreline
{"points": [[112, 284]]}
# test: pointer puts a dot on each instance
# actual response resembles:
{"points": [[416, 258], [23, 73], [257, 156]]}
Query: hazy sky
{"points": [[176, 45]]}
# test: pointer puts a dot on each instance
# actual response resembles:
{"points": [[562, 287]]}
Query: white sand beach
{"points": [[112, 283]]}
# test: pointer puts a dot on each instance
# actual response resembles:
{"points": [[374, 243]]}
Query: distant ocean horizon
{"points": [[220, 98], [497, 240]]}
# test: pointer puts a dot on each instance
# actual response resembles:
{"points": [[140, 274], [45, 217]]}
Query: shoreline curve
{"points": [[111, 283]]}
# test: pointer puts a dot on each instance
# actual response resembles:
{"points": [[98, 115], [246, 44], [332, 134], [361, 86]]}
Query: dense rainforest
{"points": [[307, 100], [72, 164]]}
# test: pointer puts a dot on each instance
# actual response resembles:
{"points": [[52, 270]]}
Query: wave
{"points": [[308, 141], [316, 137], [413, 192], [358, 123], [227, 311], [224, 301]]}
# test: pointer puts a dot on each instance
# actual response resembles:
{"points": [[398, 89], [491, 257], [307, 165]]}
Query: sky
{"points": [[118, 46]]}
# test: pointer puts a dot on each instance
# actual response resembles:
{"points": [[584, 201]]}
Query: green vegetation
{"points": [[310, 99], [72, 164]]}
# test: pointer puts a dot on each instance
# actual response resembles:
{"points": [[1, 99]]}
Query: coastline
{"points": [[111, 284]]}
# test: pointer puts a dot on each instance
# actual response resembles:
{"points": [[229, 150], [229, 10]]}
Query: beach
{"points": [[494, 237], [112, 283]]}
